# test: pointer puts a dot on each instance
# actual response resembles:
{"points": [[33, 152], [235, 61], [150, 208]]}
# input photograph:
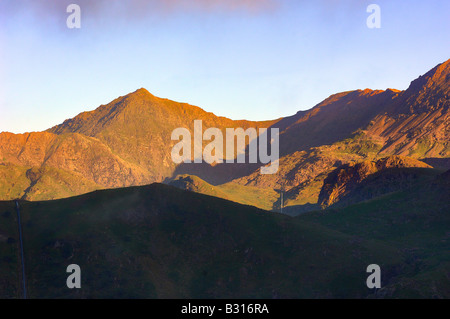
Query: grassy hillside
{"points": [[247, 195], [42, 183], [414, 221], [17, 174], [158, 241]]}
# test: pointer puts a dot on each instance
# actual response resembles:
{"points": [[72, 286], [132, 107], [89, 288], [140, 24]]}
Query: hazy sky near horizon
{"points": [[252, 59]]}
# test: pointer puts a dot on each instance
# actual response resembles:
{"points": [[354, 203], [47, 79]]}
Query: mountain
{"points": [[128, 142], [138, 128], [363, 170], [158, 241], [355, 126]]}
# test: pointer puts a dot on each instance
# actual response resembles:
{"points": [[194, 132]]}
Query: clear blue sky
{"points": [[252, 59]]}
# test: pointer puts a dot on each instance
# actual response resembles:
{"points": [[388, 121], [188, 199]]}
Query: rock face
{"points": [[417, 123], [127, 142], [346, 178]]}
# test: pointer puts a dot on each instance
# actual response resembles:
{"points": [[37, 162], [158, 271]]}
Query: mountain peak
{"points": [[440, 70], [140, 93], [340, 182], [427, 93], [437, 76]]}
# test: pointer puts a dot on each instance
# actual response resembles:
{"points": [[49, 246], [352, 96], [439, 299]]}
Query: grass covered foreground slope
{"points": [[416, 222], [158, 241], [248, 195], [340, 186]]}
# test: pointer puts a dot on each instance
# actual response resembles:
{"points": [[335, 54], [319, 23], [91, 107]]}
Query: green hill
{"points": [[158, 241], [247, 195], [415, 221]]}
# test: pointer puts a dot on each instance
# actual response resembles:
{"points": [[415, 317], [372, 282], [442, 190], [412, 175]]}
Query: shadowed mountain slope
{"points": [[158, 241]]}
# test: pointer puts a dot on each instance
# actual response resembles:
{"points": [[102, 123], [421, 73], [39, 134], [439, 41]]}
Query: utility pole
{"points": [[282, 200], [24, 286], [282, 197]]}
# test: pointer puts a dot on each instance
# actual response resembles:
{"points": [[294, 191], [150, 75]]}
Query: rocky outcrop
{"points": [[346, 178]]}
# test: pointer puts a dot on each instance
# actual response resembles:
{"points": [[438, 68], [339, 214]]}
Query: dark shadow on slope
{"points": [[225, 172], [439, 163], [217, 174], [332, 120], [297, 210], [385, 182]]}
